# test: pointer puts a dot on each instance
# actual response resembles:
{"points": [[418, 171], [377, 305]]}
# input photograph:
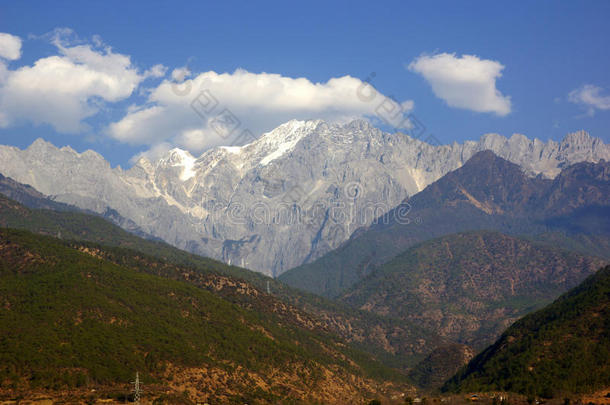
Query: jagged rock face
{"points": [[285, 199]]}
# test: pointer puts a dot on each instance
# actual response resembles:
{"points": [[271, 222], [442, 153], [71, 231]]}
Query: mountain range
{"points": [[286, 199], [410, 258], [488, 192]]}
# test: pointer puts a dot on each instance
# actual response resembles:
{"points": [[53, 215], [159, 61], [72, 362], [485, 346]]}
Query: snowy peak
{"points": [[181, 159], [283, 139]]}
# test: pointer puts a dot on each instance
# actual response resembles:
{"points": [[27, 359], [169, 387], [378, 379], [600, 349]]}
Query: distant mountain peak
{"points": [[486, 161], [276, 143], [492, 139], [578, 136], [40, 145], [180, 158]]}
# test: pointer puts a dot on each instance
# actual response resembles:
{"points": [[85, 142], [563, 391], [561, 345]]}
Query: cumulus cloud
{"points": [[589, 96], [10, 46], [62, 90], [192, 110], [198, 111], [466, 82]]}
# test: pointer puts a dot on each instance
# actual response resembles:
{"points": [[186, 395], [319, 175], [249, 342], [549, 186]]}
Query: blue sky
{"points": [[544, 68]]}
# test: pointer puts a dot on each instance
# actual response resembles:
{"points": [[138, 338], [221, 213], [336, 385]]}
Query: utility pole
{"points": [[268, 289], [137, 391]]}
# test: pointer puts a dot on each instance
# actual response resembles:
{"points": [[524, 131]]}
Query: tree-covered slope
{"points": [[71, 318], [430, 373], [559, 350], [393, 341], [470, 286]]}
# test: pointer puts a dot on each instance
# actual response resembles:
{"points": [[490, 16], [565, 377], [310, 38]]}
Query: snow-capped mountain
{"points": [[285, 199]]}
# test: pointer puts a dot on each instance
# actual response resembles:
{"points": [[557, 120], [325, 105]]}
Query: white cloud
{"points": [[183, 111], [180, 74], [590, 98], [156, 71], [153, 154], [10, 46], [466, 82], [83, 77], [64, 89]]}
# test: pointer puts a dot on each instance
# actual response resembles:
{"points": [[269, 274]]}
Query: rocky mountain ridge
{"points": [[571, 211], [285, 199]]}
